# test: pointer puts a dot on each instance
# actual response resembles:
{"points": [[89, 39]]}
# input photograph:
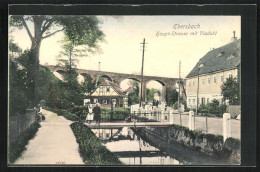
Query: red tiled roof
{"points": [[116, 87]]}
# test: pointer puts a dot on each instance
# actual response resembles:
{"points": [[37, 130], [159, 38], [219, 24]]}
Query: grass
{"points": [[16, 148], [90, 148]]}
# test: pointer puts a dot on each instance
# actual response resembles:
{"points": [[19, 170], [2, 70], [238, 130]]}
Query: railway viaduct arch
{"points": [[167, 83]]}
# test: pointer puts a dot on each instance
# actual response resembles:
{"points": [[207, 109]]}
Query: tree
{"points": [[230, 91], [68, 57], [81, 30], [20, 83], [171, 96], [133, 96], [14, 49], [150, 94], [88, 85]]}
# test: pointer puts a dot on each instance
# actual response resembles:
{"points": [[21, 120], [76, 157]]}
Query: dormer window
{"points": [[231, 56], [220, 54]]}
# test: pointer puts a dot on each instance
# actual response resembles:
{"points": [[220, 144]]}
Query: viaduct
{"points": [[117, 78]]}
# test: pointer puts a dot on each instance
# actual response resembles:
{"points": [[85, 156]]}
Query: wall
{"points": [[207, 143], [19, 123]]}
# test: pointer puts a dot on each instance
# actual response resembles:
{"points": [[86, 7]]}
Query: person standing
{"points": [[90, 114], [97, 116]]}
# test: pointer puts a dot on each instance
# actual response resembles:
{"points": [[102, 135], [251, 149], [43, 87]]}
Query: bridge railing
{"points": [[155, 116]]}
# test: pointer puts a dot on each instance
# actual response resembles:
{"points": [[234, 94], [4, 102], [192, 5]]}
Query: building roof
{"points": [[222, 58], [116, 87]]}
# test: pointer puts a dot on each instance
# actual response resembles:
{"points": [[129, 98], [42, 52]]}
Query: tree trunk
{"points": [[35, 50]]}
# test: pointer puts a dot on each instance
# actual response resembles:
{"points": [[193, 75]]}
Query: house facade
{"points": [[211, 71], [105, 94]]}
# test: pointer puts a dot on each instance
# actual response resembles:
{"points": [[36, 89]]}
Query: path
{"points": [[54, 143]]}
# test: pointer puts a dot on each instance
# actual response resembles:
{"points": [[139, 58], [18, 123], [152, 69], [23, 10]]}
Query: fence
{"points": [[205, 124], [19, 123]]}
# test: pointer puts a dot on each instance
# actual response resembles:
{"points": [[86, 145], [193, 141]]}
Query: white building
{"points": [[211, 71]]}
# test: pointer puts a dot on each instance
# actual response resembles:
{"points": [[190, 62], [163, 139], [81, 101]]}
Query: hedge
{"points": [[90, 148]]}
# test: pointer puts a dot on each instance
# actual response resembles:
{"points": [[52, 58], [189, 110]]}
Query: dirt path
{"points": [[54, 143]]}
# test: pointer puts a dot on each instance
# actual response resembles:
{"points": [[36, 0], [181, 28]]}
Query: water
{"points": [[131, 149]]}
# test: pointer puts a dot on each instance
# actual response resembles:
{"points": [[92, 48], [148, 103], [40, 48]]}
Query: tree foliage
{"points": [[171, 96], [133, 96], [80, 30], [20, 83], [150, 94], [230, 91], [14, 49]]}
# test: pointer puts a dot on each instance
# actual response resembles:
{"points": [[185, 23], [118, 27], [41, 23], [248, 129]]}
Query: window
{"points": [[207, 100], [231, 56], [107, 135], [193, 101], [222, 78], [189, 83], [208, 80], [108, 89], [95, 100], [230, 75], [215, 79], [189, 101], [203, 100], [104, 101], [101, 90], [203, 81], [220, 54]]}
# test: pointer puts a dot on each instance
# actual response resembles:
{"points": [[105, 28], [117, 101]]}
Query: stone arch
{"points": [[127, 78], [163, 91], [86, 75], [161, 82], [107, 77], [60, 71]]}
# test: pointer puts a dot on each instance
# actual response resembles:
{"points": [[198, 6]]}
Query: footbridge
{"points": [[117, 125]]}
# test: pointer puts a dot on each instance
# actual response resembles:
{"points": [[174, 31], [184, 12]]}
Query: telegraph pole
{"points": [[179, 86], [142, 72]]}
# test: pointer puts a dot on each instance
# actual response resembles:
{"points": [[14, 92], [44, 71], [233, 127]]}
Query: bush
{"points": [[75, 113], [16, 148], [118, 113], [212, 109], [90, 148], [233, 144]]}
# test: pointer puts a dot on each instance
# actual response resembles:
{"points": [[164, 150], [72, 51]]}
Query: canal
{"points": [[132, 149]]}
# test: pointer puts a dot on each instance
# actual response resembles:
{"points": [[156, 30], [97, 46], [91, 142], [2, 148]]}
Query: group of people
{"points": [[94, 113]]}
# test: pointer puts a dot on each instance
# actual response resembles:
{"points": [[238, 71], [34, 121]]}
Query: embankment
{"points": [[209, 144], [90, 148]]}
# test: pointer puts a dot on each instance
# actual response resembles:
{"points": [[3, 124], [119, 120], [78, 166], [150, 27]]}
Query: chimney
{"points": [[234, 38]]}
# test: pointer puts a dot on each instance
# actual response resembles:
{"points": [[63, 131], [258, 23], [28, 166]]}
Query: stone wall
{"points": [[19, 123], [207, 143]]}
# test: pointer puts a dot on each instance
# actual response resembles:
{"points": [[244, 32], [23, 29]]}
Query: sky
{"points": [[168, 43]]}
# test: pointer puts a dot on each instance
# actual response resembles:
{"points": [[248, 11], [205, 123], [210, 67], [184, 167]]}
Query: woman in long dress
{"points": [[90, 114]]}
